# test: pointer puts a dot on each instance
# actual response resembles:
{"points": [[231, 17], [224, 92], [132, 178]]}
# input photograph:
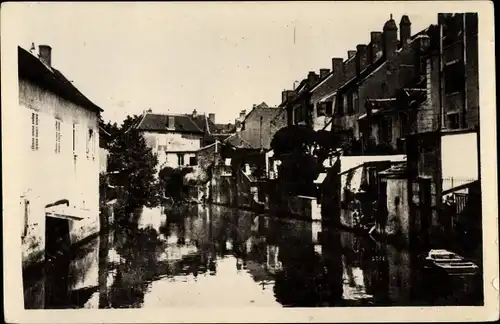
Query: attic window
{"points": [[170, 122]]}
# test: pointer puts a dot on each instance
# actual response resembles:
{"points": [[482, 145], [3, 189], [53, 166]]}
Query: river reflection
{"points": [[217, 256]]}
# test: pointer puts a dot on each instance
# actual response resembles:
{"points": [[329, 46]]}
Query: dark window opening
{"points": [[192, 161], [324, 109], [454, 121], [180, 159], [454, 78], [355, 102], [340, 106], [404, 124], [385, 131], [350, 106], [329, 108]]}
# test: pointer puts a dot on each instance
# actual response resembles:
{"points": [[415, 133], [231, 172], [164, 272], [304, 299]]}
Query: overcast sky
{"points": [[213, 57]]}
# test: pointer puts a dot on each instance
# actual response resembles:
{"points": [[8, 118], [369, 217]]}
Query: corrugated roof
{"points": [[32, 69]]}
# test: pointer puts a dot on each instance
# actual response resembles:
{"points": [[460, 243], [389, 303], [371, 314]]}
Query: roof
{"points": [[158, 122], [204, 123], [395, 171], [351, 162], [236, 141], [32, 69]]}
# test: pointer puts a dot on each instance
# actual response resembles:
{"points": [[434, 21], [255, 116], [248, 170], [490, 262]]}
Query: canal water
{"points": [[218, 256]]}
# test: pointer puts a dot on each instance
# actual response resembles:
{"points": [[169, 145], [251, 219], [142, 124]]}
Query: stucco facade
{"points": [[173, 149], [60, 145]]}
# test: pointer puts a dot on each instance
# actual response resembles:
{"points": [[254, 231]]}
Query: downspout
{"points": [[441, 110], [464, 44]]}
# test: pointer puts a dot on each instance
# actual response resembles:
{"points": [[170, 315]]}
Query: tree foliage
{"points": [[134, 163], [303, 151], [173, 182]]}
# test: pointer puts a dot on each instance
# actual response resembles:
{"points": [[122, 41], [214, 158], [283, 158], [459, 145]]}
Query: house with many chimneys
{"points": [[59, 147]]}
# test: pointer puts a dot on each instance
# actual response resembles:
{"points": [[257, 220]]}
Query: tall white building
{"points": [[59, 143]]}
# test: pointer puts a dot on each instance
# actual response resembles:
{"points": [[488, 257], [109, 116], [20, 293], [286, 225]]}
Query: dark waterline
{"points": [[218, 256]]}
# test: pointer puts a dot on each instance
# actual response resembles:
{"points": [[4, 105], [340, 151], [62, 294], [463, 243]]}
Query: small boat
{"points": [[449, 262]]}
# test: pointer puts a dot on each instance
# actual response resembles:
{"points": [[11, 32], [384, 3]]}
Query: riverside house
{"points": [[59, 202]]}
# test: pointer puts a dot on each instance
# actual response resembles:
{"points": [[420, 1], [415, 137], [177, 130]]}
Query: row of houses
{"points": [[409, 103]]}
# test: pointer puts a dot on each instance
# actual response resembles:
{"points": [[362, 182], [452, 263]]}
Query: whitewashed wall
{"points": [[165, 143], [49, 176]]}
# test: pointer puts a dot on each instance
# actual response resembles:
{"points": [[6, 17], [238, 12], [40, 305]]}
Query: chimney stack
{"points": [[195, 113], [350, 54], [211, 117], [404, 30], [323, 73], [312, 78], [337, 65], [375, 46], [360, 58], [390, 39], [45, 53], [286, 94], [243, 114]]}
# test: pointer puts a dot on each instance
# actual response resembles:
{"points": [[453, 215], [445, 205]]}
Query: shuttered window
{"points": [[34, 131], [58, 137]]}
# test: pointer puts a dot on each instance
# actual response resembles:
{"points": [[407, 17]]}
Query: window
{"points": [[34, 131], [93, 144], [170, 122], [454, 78], [340, 110], [350, 107], [180, 159], [324, 108], [58, 136], [385, 131], [74, 139], [454, 120], [345, 104], [355, 102], [88, 143], [329, 108], [192, 160]]}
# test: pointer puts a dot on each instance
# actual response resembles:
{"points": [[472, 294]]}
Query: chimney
{"points": [[45, 53], [195, 113], [390, 39], [243, 114], [149, 110], [211, 117], [312, 78], [404, 30], [32, 48], [420, 45], [375, 45], [323, 73], [360, 58], [350, 54], [337, 65]]}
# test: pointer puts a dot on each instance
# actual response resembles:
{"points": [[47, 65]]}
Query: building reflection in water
{"points": [[212, 256]]}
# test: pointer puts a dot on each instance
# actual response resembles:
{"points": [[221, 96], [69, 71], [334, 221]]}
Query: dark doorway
{"points": [[57, 248], [57, 240]]}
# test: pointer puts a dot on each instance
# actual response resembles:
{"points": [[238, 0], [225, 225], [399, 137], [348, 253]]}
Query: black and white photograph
{"points": [[274, 157]]}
